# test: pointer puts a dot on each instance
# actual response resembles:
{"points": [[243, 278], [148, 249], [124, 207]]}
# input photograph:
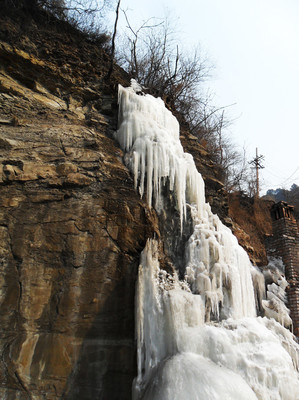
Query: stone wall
{"points": [[284, 243]]}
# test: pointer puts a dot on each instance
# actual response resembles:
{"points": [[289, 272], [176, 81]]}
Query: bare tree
{"points": [[87, 15], [237, 171], [154, 59], [228, 156]]}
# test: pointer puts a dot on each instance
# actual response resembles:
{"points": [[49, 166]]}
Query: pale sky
{"points": [[254, 47]]}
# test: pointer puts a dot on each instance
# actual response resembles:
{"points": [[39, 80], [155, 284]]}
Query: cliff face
{"points": [[72, 225], [71, 230]]}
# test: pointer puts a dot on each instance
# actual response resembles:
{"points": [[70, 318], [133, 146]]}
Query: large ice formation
{"points": [[200, 338]]}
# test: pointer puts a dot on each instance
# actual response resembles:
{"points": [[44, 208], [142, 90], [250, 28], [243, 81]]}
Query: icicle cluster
{"points": [[219, 269], [149, 133], [275, 304], [180, 356]]}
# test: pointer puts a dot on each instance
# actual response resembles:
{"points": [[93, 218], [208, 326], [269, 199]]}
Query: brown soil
{"points": [[251, 223]]}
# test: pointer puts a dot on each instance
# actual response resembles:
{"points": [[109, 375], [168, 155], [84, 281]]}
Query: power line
{"points": [[286, 180], [273, 174], [288, 183], [282, 181]]}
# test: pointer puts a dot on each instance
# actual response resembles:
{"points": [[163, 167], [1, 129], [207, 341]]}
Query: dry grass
{"points": [[252, 222]]}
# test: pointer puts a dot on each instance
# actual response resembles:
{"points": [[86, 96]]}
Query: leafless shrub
{"points": [[154, 59], [85, 15]]}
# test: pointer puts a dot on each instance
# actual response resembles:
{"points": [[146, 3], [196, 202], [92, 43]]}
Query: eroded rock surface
{"points": [[71, 228]]}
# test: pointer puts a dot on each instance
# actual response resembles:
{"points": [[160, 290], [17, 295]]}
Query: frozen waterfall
{"points": [[197, 338]]}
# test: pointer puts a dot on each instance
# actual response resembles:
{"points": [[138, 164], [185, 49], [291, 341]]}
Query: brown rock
{"points": [[71, 230], [66, 168], [78, 179]]}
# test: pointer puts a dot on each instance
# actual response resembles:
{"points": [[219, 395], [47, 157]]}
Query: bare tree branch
{"points": [[113, 39]]}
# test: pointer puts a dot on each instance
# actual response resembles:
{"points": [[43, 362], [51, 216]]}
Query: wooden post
{"points": [[256, 162]]}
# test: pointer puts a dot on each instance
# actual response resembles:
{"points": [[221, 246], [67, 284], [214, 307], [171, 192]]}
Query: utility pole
{"points": [[256, 162]]}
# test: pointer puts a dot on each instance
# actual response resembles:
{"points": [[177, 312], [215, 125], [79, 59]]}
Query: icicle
{"points": [[275, 304], [164, 306], [150, 133]]}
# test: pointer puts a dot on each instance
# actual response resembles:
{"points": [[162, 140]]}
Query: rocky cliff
{"points": [[71, 223]]}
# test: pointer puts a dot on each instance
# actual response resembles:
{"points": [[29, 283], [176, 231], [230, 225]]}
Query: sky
{"points": [[254, 48]]}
